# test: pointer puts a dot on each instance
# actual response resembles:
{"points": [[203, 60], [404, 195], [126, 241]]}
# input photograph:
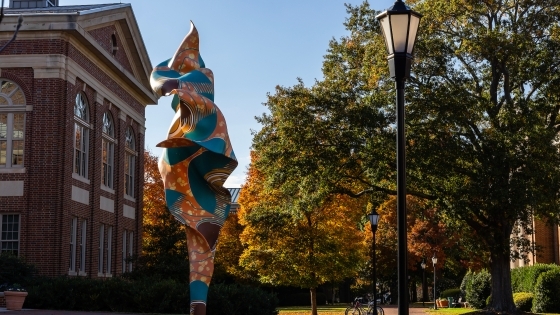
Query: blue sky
{"points": [[250, 45]]}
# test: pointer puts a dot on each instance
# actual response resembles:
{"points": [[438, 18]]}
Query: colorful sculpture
{"points": [[196, 161]]}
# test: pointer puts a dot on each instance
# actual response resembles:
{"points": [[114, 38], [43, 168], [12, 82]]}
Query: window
{"points": [[83, 248], [101, 243], [129, 162], [81, 139], [130, 243], [73, 232], [12, 125], [9, 231], [109, 248], [124, 251], [108, 148]]}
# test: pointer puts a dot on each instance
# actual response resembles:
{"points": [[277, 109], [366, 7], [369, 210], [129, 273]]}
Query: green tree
{"points": [[482, 122]]}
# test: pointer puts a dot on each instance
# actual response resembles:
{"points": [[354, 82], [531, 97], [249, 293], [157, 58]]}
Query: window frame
{"points": [[130, 163], [108, 269], [124, 252], [81, 123], [83, 248], [10, 110], [108, 151], [2, 241], [73, 239], [100, 260]]}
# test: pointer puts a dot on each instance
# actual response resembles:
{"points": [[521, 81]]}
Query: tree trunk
{"points": [[502, 297], [313, 301]]}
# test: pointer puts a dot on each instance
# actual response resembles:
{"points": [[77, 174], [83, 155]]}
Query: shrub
{"points": [[454, 293], [488, 300], [467, 281], [523, 279], [15, 270], [478, 289], [523, 301], [145, 295], [547, 290]]}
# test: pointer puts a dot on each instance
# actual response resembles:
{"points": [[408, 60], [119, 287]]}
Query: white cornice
{"points": [[62, 67], [75, 23]]}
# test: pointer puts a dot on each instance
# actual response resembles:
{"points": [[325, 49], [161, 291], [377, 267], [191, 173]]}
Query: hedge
{"points": [[477, 287], [523, 301], [523, 279], [547, 291], [146, 296]]}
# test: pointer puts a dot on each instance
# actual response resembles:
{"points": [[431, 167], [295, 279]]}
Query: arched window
{"points": [[81, 135], [12, 124], [108, 145], [129, 162]]}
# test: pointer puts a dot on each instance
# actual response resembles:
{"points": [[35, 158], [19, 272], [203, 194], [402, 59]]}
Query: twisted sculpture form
{"points": [[197, 159]]}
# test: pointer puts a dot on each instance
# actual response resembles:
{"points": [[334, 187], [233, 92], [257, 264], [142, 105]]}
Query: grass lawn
{"points": [[450, 311], [306, 310]]}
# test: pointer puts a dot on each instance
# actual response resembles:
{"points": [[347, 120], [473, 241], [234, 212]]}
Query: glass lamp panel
{"points": [[373, 218], [386, 27], [434, 260], [413, 30], [399, 26]]}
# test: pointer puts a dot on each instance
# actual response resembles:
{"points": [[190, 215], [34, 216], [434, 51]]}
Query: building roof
{"points": [[234, 194], [80, 9]]}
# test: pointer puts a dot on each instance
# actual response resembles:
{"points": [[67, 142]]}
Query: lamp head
{"points": [[400, 28], [373, 220], [434, 259]]}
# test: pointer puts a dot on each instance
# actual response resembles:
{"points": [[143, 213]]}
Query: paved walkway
{"points": [[389, 310]]}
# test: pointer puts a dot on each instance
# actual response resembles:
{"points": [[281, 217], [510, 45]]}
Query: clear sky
{"points": [[251, 46]]}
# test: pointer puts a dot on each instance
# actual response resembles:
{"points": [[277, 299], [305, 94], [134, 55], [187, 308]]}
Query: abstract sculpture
{"points": [[197, 159]]}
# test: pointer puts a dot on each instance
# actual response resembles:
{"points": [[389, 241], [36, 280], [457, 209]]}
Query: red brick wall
{"points": [[103, 36], [46, 208], [544, 239]]}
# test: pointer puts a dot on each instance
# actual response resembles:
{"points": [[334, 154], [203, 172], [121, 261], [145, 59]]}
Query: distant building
{"points": [[73, 90], [234, 199], [546, 249]]}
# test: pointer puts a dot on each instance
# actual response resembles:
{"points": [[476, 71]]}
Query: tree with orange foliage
{"points": [[288, 244], [164, 252]]}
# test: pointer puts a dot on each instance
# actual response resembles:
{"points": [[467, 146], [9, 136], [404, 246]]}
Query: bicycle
{"points": [[359, 308]]}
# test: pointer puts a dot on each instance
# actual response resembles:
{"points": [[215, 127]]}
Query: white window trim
{"points": [[10, 140], [110, 143], [10, 110], [100, 260], [19, 229], [124, 253], [82, 269], [108, 271], [130, 249], [129, 155], [73, 237]]}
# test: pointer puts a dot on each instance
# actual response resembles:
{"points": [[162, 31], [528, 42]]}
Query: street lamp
{"points": [[373, 220], [400, 27], [423, 265], [434, 261]]}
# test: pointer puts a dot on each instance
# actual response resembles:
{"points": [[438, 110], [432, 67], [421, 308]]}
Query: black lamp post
{"points": [[423, 265], [434, 261], [373, 220], [400, 26]]}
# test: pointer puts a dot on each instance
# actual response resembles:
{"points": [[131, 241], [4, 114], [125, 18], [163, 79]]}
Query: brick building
{"points": [[73, 90], [546, 248]]}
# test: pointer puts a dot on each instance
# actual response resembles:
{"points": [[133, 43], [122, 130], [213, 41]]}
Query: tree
{"points": [[286, 244], [482, 122], [164, 249], [484, 98]]}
